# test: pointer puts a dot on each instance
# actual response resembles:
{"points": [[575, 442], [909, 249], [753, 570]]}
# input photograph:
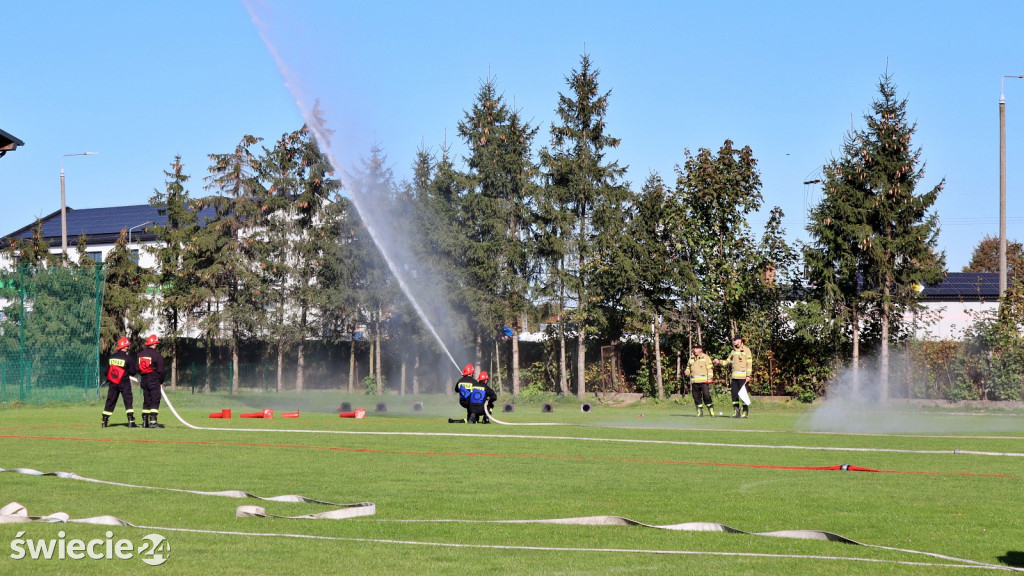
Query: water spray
{"points": [[319, 132]]}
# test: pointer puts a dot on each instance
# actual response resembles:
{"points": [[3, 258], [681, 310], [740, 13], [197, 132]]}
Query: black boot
{"points": [[145, 420], [745, 410], [131, 421], [106, 420], [153, 423], [736, 411]]}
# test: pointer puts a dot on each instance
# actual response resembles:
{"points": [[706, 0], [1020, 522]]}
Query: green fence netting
{"points": [[50, 333]]}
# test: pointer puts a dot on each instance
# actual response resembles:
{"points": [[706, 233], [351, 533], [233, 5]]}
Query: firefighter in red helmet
{"points": [[151, 370], [481, 395], [464, 386], [120, 368]]}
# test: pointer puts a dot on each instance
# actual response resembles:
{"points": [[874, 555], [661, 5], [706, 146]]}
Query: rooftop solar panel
{"points": [[100, 222], [964, 285]]}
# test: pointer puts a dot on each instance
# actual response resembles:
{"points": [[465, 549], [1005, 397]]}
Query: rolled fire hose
{"points": [[17, 513]]}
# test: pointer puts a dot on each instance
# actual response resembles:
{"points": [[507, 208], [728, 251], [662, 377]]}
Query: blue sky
{"points": [[141, 82]]}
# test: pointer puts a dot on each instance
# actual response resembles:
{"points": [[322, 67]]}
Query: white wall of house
{"points": [[949, 320], [138, 249], [100, 252]]}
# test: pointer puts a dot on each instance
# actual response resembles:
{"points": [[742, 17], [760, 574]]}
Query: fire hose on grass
{"points": [[14, 513]]}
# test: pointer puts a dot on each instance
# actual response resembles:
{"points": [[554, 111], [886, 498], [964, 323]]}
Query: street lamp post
{"points": [[130, 233], [63, 205], [1002, 182]]}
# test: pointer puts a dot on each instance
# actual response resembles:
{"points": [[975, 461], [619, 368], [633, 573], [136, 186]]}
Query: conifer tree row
{"points": [[512, 238]]}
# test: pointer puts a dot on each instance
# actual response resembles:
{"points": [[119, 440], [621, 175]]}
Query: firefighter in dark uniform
{"points": [[481, 395], [151, 371], [741, 363], [464, 386], [701, 371], [120, 368]]}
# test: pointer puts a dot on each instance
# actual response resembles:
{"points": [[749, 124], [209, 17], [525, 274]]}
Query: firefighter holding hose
{"points": [[120, 368], [464, 387], [151, 371], [481, 395]]}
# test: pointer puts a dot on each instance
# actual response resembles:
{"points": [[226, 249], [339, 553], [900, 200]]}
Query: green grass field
{"points": [[950, 483]]}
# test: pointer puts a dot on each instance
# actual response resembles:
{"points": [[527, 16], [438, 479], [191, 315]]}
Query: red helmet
{"points": [[468, 370], [152, 340], [483, 376], [122, 344]]}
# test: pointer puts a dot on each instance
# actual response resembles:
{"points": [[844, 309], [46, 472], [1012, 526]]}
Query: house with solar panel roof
{"points": [[101, 227], [954, 304]]}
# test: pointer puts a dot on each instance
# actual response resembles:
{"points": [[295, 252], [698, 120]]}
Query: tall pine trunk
{"points": [[300, 366], [280, 342], [209, 363], [581, 363], [369, 370], [416, 370], [174, 360], [235, 380], [563, 366], [657, 357], [515, 364], [174, 350], [855, 330], [352, 363], [300, 360], [883, 361], [280, 367], [478, 353], [378, 372]]}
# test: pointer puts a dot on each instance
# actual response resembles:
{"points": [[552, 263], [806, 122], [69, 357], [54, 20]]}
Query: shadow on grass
{"points": [[1013, 558]]}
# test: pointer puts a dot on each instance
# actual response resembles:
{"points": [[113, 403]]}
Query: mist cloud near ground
{"points": [[853, 405]]}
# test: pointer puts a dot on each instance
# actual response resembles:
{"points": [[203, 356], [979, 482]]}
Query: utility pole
{"points": [[1002, 183]]}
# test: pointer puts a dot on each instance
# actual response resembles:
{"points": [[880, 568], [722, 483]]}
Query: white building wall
{"points": [[949, 320]]}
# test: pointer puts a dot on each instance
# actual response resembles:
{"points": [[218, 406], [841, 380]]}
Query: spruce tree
{"points": [[587, 184], [125, 303], [226, 247], [34, 252], [314, 218], [373, 182], [273, 249], [902, 249], [521, 265], [176, 300], [416, 196], [442, 223], [482, 209], [839, 233], [500, 189]]}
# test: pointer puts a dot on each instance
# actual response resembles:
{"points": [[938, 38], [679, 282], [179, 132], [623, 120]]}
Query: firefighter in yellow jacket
{"points": [[701, 371], [741, 366]]}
